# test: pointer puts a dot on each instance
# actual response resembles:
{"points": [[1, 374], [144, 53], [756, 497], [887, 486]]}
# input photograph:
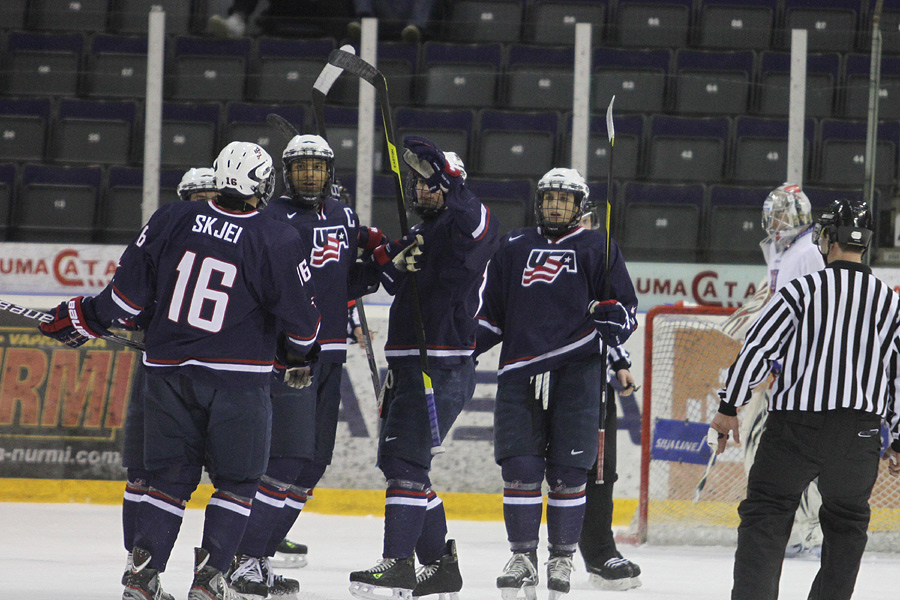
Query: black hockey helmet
{"points": [[846, 222]]}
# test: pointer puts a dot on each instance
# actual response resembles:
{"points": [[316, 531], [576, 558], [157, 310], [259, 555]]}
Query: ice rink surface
{"points": [[75, 552]]}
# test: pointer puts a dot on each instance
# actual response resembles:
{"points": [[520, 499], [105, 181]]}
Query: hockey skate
{"points": [[128, 564], [277, 585], [559, 572], [140, 581], [246, 576], [519, 574], [289, 555], [441, 577], [618, 574], [209, 582], [391, 578]]}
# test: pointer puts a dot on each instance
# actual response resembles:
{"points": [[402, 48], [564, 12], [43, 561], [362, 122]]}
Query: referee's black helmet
{"points": [[846, 222]]}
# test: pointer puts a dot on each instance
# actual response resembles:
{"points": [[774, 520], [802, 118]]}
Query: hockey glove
{"points": [[298, 377], [367, 239], [74, 323], [440, 170], [612, 320], [405, 254]]}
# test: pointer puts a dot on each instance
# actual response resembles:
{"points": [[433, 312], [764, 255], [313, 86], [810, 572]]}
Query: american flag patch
{"points": [[544, 266], [327, 244]]}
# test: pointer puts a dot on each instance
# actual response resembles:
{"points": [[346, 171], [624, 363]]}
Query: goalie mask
{"points": [[244, 170], [560, 200], [420, 199], [786, 214], [195, 181], [308, 170], [845, 222]]}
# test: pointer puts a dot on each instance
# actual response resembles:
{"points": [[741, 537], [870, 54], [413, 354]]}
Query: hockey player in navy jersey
{"points": [[225, 281], [550, 371], [197, 184], [447, 253], [304, 421]]}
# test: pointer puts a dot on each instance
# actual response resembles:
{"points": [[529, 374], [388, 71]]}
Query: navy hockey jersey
{"points": [[457, 245], [331, 236], [537, 294], [223, 283]]}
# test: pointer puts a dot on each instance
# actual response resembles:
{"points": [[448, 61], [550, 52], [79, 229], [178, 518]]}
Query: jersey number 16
{"points": [[202, 292]]}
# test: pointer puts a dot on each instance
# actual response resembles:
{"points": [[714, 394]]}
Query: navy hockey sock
{"points": [[522, 508], [293, 505], [404, 516], [158, 523], [225, 522], [565, 507], [264, 516], [135, 488], [433, 542]]}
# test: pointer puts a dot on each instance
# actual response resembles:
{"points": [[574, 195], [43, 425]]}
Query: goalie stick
{"points": [[357, 66], [30, 313], [712, 440]]}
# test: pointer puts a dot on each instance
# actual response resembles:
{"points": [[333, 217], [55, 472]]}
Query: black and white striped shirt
{"points": [[836, 335]]}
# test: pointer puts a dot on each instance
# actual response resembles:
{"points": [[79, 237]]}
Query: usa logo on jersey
{"points": [[544, 266], [327, 244]]}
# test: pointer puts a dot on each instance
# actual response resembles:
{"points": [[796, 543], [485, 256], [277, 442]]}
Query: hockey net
{"points": [[686, 357]]}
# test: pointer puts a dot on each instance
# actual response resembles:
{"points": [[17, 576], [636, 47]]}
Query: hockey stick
{"points": [[601, 433], [712, 440], [30, 313], [357, 66], [320, 90]]}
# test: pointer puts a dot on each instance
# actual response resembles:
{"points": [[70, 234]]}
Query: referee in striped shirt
{"points": [[836, 335]]}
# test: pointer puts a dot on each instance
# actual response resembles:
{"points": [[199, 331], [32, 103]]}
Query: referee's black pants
{"points": [[842, 449]]}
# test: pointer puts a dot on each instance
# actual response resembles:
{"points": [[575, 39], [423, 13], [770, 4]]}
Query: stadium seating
{"points": [[653, 23], [597, 207], [247, 122], [890, 30], [56, 204], [830, 24], [713, 82], [538, 77], [7, 191], [510, 200], [12, 14], [38, 64], [209, 69], [397, 62], [460, 75], [628, 144], [449, 129], [132, 16], [66, 15], [23, 128], [485, 20], [637, 78], [516, 144], [342, 124], [122, 216], [661, 222], [843, 152], [684, 149], [822, 75], [189, 134], [856, 99], [760, 149], [92, 132], [734, 228], [553, 21], [285, 70], [116, 67], [737, 24]]}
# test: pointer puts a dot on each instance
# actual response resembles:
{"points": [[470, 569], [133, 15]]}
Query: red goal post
{"points": [[685, 359]]}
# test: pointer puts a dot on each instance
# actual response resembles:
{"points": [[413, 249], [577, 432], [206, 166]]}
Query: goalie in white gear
{"points": [[790, 253], [198, 185]]}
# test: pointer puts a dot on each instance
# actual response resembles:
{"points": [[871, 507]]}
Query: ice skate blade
{"points": [[513, 593], [440, 596], [289, 561], [367, 591], [617, 585]]}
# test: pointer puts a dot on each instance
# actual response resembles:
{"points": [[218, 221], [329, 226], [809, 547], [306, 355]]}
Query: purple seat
{"points": [[830, 24], [822, 75], [856, 100], [653, 23], [515, 144], [190, 134], [553, 21], [733, 227], [57, 204], [247, 122], [485, 20], [284, 70], [509, 200], [24, 123], [538, 77], [460, 75], [342, 126], [712, 82], [93, 131], [843, 150], [449, 129], [209, 69], [736, 24], [131, 16], [398, 62], [685, 149], [637, 78], [760, 149], [116, 67], [661, 222], [40, 64], [629, 142], [64, 15]]}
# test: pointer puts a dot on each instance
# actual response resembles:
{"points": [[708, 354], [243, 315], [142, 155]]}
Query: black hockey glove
{"points": [[405, 253], [612, 320], [439, 170], [74, 323]]}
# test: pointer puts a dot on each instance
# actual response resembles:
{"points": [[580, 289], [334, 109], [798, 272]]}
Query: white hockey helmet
{"points": [[308, 146], [566, 180], [786, 213], [196, 180], [244, 170]]}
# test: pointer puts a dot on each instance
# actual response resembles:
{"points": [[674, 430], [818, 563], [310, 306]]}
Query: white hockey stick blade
{"points": [[330, 73], [610, 126]]}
